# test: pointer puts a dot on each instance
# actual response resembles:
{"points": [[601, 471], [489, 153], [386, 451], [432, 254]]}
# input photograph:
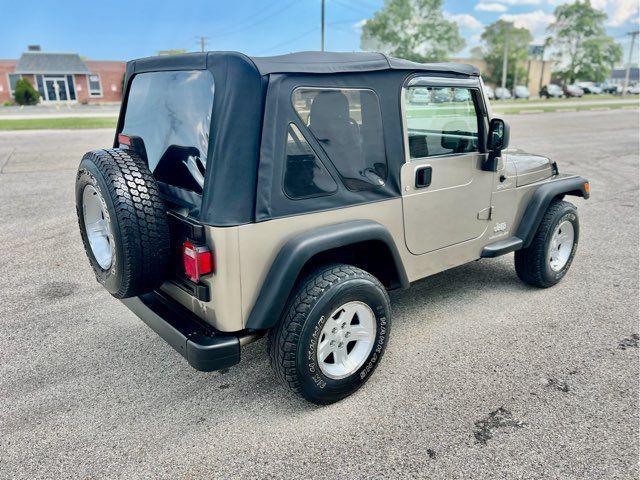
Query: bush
{"points": [[7, 104], [25, 94]]}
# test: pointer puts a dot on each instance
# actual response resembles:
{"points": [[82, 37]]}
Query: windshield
{"points": [[171, 112]]}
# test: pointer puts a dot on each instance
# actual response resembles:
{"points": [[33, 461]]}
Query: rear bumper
{"points": [[204, 348]]}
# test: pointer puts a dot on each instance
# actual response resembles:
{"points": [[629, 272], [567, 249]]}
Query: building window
{"points": [[13, 79], [347, 124], [40, 86], [71, 87], [95, 88]]}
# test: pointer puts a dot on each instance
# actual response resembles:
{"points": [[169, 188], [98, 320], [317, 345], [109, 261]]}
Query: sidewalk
{"points": [[59, 111], [629, 100]]}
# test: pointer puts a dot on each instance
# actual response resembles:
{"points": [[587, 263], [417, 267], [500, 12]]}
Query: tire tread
{"points": [[140, 217], [282, 341]]}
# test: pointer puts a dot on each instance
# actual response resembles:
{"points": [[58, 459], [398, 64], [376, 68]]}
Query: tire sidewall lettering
{"points": [[340, 297]]}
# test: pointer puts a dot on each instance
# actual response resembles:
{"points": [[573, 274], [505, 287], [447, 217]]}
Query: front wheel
{"points": [[546, 261], [333, 333]]}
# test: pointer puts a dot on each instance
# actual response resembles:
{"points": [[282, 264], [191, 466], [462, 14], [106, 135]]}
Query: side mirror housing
{"points": [[498, 140], [498, 136]]}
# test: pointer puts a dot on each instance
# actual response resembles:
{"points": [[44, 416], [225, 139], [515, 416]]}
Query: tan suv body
{"points": [[306, 160]]}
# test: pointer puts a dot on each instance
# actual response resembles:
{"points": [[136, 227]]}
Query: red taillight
{"points": [[197, 261], [124, 140]]}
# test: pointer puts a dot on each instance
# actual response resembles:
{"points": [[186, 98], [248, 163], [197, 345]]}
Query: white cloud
{"points": [[536, 22], [465, 20], [491, 7], [619, 11], [516, 2], [475, 39], [358, 25]]}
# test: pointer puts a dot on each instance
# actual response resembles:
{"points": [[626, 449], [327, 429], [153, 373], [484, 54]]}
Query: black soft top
{"points": [[241, 187], [343, 62], [305, 62]]}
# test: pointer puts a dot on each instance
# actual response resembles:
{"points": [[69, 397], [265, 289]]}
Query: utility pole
{"points": [[203, 42], [542, 67], [626, 75], [504, 62], [322, 26]]}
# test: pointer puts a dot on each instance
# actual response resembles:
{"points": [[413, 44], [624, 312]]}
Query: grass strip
{"points": [[57, 123]]}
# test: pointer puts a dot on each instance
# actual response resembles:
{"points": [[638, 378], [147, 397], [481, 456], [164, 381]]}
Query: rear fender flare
{"points": [[297, 251]]}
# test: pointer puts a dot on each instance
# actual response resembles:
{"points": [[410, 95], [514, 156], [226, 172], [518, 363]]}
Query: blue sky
{"points": [[133, 28]]}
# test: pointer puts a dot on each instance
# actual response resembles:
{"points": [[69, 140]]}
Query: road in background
{"points": [[75, 110], [484, 377]]}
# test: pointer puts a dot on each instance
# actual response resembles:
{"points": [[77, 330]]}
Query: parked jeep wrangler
{"points": [[286, 195]]}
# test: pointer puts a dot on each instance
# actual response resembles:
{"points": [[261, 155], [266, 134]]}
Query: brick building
{"points": [[63, 77], [538, 73]]}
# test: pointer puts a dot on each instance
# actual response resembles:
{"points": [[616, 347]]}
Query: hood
{"points": [[530, 168]]}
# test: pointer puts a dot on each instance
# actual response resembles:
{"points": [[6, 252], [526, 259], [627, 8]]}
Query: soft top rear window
{"points": [[171, 112]]}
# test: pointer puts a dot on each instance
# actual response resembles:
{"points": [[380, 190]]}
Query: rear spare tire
{"points": [[122, 221]]}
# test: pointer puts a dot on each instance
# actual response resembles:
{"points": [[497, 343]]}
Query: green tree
{"points": [[25, 94], [583, 49], [517, 40], [412, 29]]}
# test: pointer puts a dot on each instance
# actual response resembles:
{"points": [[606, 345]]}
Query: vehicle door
{"points": [[446, 192]]}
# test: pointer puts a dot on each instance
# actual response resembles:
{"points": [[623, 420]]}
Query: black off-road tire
{"points": [[292, 344], [532, 263], [137, 218]]}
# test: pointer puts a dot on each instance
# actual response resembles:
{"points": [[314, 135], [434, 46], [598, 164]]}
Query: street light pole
{"points": [[322, 27], [626, 76]]}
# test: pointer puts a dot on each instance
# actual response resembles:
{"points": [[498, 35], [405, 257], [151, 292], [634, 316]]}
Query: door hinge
{"points": [[485, 213]]}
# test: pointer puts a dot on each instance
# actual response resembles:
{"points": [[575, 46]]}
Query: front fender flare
{"points": [[297, 251], [540, 201]]}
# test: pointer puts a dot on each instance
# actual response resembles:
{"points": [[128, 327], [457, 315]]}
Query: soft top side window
{"points": [[440, 120], [347, 123], [304, 174]]}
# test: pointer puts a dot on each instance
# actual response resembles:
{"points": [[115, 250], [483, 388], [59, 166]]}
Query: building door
{"points": [[446, 193], [56, 89]]}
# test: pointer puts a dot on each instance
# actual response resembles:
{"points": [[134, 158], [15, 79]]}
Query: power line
{"points": [[242, 23], [290, 40], [354, 8], [257, 22]]}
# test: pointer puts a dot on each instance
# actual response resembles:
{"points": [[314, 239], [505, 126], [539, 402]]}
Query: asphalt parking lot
{"points": [[484, 377]]}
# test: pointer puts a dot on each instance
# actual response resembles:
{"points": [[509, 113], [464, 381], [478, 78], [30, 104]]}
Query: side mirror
{"points": [[498, 136]]}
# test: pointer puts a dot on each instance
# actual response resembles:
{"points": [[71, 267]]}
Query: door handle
{"points": [[423, 177]]}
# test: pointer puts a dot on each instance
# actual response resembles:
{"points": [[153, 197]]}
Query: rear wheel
{"points": [[333, 333], [546, 261], [122, 222]]}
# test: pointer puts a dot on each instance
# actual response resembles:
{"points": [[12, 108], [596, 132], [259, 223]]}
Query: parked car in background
{"points": [[461, 95], [552, 91], [611, 89], [589, 88], [521, 92], [441, 95], [634, 89], [502, 93], [420, 96], [491, 95], [573, 91]]}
